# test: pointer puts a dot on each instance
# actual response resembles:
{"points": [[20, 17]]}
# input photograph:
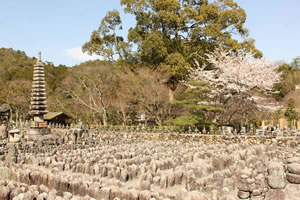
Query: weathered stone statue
{"points": [[5, 113], [12, 154], [3, 130]]}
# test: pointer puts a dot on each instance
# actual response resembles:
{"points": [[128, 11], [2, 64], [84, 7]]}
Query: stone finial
{"points": [[39, 56]]}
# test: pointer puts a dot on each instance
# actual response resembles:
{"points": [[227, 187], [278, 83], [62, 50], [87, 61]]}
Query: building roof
{"points": [[52, 115]]}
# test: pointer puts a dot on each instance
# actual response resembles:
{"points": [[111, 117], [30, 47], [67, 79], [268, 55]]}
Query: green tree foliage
{"points": [[290, 111], [105, 41], [15, 65], [296, 62], [174, 34], [55, 76], [17, 95], [277, 115], [15, 79], [285, 70], [195, 101], [290, 78]]}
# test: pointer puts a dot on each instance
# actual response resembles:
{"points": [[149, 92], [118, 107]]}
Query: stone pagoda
{"points": [[38, 104]]}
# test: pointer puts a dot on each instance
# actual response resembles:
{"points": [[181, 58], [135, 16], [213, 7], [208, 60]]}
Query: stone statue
{"points": [[3, 130]]}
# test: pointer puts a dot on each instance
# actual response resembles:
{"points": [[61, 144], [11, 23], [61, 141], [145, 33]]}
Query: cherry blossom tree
{"points": [[236, 75]]}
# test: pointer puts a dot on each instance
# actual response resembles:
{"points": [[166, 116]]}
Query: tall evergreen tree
{"points": [[296, 62], [196, 102], [290, 111], [173, 34]]}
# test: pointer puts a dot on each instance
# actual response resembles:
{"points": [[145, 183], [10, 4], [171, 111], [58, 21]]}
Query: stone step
{"points": [[38, 94], [38, 98], [38, 90], [38, 107], [38, 112]]}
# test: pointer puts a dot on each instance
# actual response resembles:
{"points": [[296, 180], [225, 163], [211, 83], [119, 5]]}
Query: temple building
{"points": [[57, 118]]}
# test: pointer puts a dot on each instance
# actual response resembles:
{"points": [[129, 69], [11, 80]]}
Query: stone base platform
{"points": [[37, 134]]}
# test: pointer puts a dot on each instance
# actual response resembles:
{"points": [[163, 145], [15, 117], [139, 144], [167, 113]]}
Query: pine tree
{"points": [[195, 100], [290, 111]]}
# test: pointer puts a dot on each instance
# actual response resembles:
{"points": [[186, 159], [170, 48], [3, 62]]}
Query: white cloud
{"points": [[77, 54]]}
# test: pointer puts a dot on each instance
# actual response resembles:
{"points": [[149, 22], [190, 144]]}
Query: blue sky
{"points": [[60, 27]]}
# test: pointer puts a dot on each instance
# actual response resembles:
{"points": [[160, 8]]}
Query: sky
{"points": [[59, 28]]}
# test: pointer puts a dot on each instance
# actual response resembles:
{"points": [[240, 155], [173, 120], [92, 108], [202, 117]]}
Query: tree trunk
{"points": [[104, 115], [124, 118], [17, 118], [171, 94], [158, 121]]}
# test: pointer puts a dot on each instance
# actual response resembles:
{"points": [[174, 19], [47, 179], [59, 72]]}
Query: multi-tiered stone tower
{"points": [[38, 104]]}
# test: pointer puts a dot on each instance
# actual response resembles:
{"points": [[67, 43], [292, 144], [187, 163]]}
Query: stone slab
{"points": [[4, 173], [293, 178]]}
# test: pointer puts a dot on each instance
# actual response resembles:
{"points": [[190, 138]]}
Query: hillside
{"points": [[15, 65], [16, 70]]}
